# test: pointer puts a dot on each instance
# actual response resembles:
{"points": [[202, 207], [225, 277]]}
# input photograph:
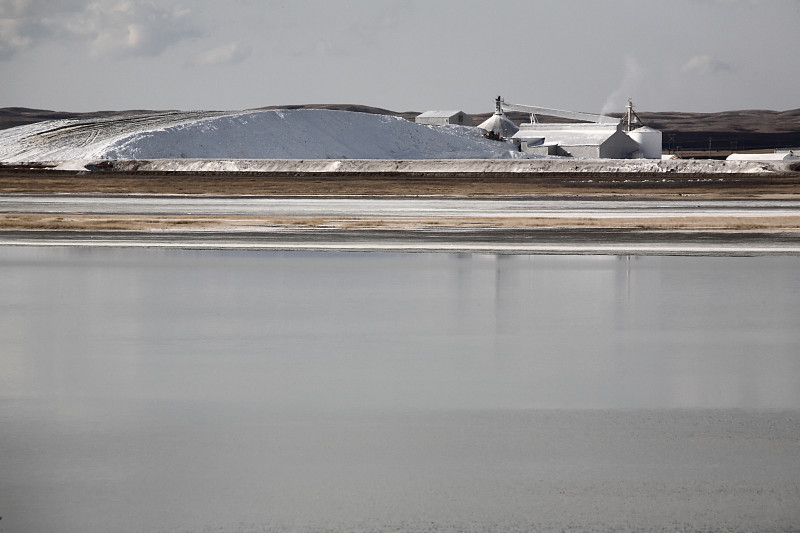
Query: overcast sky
{"points": [[590, 55]]}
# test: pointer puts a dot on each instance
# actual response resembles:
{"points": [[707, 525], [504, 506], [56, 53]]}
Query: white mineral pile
{"points": [[279, 134]]}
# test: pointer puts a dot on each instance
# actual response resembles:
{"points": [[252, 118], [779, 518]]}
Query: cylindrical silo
{"points": [[649, 141]]}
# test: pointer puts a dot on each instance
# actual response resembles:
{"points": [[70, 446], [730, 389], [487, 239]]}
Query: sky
{"points": [[403, 55]]}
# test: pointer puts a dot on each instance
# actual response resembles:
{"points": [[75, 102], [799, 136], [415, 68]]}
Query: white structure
{"points": [[596, 136], [573, 115], [441, 118], [649, 140], [590, 141], [498, 125], [777, 156]]}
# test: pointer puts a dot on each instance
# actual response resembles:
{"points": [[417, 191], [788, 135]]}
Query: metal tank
{"points": [[649, 142]]}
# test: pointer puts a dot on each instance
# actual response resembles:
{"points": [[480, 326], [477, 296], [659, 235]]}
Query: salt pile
{"points": [[278, 134]]}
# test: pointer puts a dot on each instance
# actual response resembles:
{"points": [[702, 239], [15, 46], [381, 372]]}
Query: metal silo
{"points": [[649, 141]]}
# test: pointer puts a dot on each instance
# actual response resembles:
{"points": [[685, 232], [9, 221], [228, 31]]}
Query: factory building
{"points": [[589, 141], [442, 118], [584, 135]]}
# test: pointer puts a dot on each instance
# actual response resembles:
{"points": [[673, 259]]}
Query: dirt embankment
{"points": [[211, 223], [627, 184]]}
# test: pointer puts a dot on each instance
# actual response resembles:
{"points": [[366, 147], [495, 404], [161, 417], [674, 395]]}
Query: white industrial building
{"points": [[589, 141], [588, 135], [442, 118]]}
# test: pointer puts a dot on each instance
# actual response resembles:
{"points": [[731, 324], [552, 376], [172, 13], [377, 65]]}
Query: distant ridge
{"points": [[11, 117], [741, 130], [355, 108]]}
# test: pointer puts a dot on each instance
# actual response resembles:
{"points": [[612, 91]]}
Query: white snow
{"points": [[279, 134]]}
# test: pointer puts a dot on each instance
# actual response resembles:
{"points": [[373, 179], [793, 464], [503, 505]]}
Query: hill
{"points": [[11, 117]]}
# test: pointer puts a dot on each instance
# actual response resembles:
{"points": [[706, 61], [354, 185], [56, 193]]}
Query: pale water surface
{"points": [[166, 390]]}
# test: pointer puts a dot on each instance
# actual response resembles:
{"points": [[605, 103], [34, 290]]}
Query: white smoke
{"points": [[631, 79], [705, 64]]}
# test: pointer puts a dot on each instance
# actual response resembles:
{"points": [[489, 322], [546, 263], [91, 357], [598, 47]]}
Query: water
{"points": [[164, 390]]}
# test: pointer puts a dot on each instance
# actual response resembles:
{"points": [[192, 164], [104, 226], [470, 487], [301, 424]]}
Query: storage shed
{"points": [[442, 118]]}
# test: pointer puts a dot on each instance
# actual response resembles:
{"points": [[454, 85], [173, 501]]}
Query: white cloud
{"points": [[225, 54], [706, 64], [24, 23], [14, 8], [135, 28], [13, 37], [107, 27]]}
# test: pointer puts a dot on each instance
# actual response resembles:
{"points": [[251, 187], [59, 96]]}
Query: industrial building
{"points": [[590, 141], [442, 118], [586, 135]]}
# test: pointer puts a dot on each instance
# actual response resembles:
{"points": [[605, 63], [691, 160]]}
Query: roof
{"points": [[567, 134], [439, 114], [500, 124]]}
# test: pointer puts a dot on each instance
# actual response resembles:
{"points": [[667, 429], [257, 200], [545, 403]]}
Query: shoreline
{"points": [[546, 241], [570, 222]]}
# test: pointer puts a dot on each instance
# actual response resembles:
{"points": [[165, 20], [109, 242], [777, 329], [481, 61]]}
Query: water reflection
{"points": [[402, 331], [163, 390]]}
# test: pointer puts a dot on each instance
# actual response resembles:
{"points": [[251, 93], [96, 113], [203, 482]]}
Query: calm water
{"points": [[163, 390]]}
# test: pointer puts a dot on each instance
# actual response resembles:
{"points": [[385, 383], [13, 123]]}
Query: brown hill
{"points": [[19, 116], [356, 108], [727, 131]]}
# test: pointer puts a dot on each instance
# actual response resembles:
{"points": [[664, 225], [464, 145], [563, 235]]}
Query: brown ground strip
{"points": [[211, 223], [571, 184]]}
